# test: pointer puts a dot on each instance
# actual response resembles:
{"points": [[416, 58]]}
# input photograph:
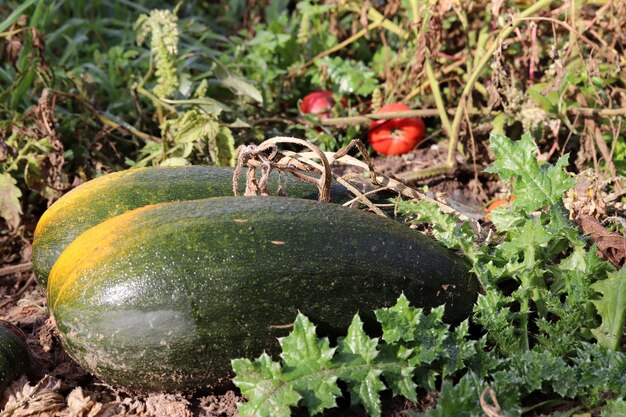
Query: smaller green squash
{"points": [[95, 201], [14, 354]]}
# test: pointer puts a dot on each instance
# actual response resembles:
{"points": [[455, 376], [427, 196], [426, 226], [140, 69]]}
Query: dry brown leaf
{"points": [[611, 245], [81, 405], [24, 400]]}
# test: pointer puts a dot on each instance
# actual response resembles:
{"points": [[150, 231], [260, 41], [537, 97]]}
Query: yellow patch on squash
{"points": [[79, 196], [87, 251]]}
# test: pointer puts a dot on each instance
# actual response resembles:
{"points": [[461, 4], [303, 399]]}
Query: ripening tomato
{"points": [[497, 203], [318, 102], [396, 136]]}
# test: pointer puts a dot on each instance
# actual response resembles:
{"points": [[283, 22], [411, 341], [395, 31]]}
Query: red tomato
{"points": [[318, 102], [396, 136]]}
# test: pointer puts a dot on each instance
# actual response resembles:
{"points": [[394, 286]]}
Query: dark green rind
{"points": [[14, 357], [194, 284], [126, 190]]}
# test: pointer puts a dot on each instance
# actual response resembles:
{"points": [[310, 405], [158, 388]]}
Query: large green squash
{"points": [[162, 297], [105, 197]]}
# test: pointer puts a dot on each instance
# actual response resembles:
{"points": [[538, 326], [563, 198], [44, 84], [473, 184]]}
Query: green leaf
{"points": [[614, 408], [261, 382], [223, 149], [399, 322], [369, 392], [357, 343], [307, 361], [350, 76], [460, 400], [357, 352], [400, 377], [611, 308], [236, 84], [10, 208], [459, 349], [446, 228], [536, 186]]}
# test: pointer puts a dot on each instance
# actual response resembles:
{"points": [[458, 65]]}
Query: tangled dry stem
{"points": [[267, 157]]}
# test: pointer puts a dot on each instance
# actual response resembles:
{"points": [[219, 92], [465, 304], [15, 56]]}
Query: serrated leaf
{"points": [[350, 76], [430, 337], [446, 228], [531, 235], [458, 349], [358, 343], [399, 377], [611, 308], [10, 208], [357, 352], [369, 392], [262, 383], [399, 322], [536, 186], [460, 400], [307, 360]]}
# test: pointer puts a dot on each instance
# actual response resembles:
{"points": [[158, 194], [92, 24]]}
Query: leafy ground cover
{"points": [[94, 87]]}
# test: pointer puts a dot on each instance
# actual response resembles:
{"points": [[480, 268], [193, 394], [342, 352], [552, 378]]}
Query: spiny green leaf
{"points": [[399, 377], [536, 186], [261, 382], [369, 392], [357, 343], [531, 235], [447, 229], [308, 360], [458, 349], [302, 346], [460, 400], [357, 352], [611, 308], [400, 321], [430, 337], [614, 408]]}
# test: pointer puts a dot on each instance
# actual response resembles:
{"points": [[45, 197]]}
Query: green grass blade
{"points": [[15, 15]]}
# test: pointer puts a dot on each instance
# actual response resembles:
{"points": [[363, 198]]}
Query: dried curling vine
{"points": [[254, 157], [301, 164]]}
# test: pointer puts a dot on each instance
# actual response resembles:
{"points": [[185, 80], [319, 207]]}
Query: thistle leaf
{"points": [[535, 186], [612, 308], [261, 381], [308, 359]]}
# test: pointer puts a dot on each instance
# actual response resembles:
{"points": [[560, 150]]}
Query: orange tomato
{"points": [[497, 203]]}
